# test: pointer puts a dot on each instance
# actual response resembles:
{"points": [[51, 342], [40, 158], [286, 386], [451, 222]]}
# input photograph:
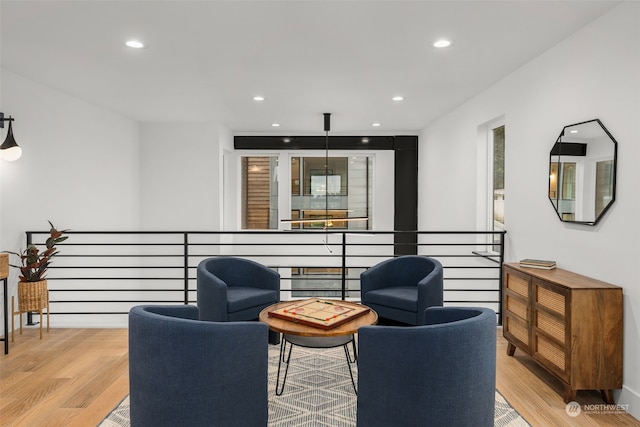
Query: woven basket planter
{"points": [[4, 265], [32, 296]]}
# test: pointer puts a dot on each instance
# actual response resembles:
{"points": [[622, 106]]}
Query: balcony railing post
{"points": [[344, 265], [186, 267], [500, 277]]}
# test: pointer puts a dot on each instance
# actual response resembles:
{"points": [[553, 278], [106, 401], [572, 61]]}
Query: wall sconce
{"points": [[9, 150]]}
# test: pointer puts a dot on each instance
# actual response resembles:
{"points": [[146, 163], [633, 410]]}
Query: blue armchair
{"points": [[440, 374], [236, 289], [183, 371], [401, 288]]}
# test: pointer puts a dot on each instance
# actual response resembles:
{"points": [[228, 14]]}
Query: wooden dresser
{"points": [[570, 324]]}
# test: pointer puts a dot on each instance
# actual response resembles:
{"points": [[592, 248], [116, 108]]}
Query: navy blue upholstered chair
{"points": [[185, 372], [440, 374], [236, 289], [401, 288]]}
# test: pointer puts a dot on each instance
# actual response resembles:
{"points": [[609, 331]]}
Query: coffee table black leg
{"points": [[283, 359], [350, 361]]}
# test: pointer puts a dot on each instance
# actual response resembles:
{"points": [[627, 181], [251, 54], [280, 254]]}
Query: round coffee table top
{"points": [[292, 328]]}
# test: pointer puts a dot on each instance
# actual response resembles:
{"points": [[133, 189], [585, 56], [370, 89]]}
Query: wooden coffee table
{"points": [[308, 336]]}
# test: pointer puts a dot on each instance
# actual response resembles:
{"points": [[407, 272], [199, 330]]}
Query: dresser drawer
{"points": [[551, 325], [550, 355], [553, 299], [516, 329], [518, 284], [517, 306]]}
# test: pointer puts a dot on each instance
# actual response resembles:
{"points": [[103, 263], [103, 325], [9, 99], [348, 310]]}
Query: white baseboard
{"points": [[631, 398]]}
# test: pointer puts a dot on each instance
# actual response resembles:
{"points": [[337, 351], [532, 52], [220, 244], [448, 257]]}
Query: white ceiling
{"points": [[205, 60]]}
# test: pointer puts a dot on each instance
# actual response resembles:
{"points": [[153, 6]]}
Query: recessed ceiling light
{"points": [[375, 125], [573, 131], [286, 140], [398, 98], [275, 125], [258, 98], [135, 44], [364, 140], [442, 43]]}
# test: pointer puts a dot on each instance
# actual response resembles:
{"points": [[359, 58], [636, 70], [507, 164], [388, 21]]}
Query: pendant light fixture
{"points": [[9, 150], [327, 220], [327, 128]]}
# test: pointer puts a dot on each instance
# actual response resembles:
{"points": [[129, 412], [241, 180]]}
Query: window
{"points": [[496, 182], [604, 185], [259, 192], [568, 181], [342, 191], [563, 195]]}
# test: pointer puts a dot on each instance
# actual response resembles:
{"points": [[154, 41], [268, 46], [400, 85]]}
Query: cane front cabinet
{"points": [[570, 324]]}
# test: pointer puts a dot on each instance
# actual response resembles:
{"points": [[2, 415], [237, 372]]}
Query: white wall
{"points": [[79, 166], [224, 149], [179, 176], [79, 163], [595, 73], [88, 169]]}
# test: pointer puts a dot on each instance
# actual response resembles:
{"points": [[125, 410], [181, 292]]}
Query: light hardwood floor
{"points": [[75, 377], [72, 377]]}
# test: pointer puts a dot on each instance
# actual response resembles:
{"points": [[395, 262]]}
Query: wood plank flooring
{"points": [[75, 377], [537, 395], [72, 377]]}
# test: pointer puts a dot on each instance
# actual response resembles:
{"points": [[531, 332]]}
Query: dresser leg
{"points": [[607, 396], [569, 394], [511, 349]]}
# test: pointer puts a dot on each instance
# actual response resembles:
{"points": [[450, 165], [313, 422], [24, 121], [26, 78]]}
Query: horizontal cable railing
{"points": [[98, 275]]}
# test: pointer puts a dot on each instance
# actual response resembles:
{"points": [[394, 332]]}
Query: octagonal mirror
{"points": [[582, 172]]}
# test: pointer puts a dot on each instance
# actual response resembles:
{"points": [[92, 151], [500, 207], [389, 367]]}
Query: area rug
{"points": [[318, 393]]}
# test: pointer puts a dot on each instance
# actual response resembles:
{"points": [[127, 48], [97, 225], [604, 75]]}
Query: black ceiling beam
{"points": [[569, 149], [313, 142]]}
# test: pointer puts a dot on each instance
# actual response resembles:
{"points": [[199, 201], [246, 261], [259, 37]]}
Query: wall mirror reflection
{"points": [[582, 172]]}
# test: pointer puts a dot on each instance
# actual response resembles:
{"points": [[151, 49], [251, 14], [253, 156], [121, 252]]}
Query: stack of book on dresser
{"points": [[537, 263]]}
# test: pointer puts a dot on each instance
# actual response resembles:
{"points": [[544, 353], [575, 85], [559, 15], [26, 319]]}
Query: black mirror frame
{"points": [[615, 172]]}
